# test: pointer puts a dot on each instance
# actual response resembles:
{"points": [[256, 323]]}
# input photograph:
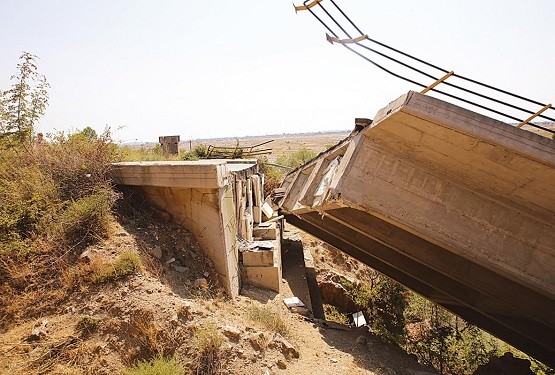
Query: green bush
{"points": [[157, 366], [126, 264], [199, 152], [296, 158], [383, 304], [86, 219], [332, 314]]}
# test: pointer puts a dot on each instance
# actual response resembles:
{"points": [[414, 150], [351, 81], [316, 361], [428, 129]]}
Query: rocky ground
{"points": [[104, 329]]}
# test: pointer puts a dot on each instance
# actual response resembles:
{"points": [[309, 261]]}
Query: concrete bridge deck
{"points": [[454, 205]]}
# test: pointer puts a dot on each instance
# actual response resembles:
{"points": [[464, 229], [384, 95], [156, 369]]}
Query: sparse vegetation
{"points": [[268, 319], [126, 264], [200, 151], [207, 353], [157, 366], [297, 158]]}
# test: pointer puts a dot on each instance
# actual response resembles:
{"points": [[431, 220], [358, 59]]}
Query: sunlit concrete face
{"points": [[455, 205], [199, 196]]}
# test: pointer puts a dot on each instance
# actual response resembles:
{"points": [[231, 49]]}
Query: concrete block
{"points": [[266, 233], [264, 277], [257, 213], [263, 258]]}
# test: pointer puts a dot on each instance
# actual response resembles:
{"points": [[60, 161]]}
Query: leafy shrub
{"points": [[387, 310], [87, 218], [296, 158], [444, 341], [126, 264], [199, 152], [157, 366], [332, 314]]}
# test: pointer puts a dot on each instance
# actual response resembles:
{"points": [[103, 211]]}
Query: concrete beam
{"points": [[453, 204]]}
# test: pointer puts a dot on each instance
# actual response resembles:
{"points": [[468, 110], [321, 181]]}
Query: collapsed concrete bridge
{"points": [[454, 205]]}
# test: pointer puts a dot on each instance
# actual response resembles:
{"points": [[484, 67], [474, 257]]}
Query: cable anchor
{"points": [[305, 7], [333, 39]]}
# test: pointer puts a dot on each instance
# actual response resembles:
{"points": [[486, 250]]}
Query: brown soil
{"points": [[281, 144], [103, 329]]}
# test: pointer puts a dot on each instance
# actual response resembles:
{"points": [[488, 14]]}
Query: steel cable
{"points": [[427, 74]]}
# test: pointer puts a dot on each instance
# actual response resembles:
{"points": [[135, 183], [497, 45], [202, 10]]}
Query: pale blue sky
{"points": [[252, 67]]}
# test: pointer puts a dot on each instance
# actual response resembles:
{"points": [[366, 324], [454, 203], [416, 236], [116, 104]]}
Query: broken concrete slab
{"points": [[455, 205], [265, 232], [262, 258]]}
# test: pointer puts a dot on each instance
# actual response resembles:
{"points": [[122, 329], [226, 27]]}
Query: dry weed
{"points": [[268, 319], [208, 354], [152, 339]]}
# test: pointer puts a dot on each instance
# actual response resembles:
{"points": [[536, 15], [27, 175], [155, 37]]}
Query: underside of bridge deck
{"points": [[454, 205]]}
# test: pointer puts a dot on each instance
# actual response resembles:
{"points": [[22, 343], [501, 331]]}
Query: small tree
{"points": [[24, 103]]}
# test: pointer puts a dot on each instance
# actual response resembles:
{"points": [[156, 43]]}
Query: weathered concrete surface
{"points": [[455, 205], [199, 196]]}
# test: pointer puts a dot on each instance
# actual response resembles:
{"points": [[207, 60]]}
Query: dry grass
{"points": [[157, 366], [149, 336], [269, 319], [208, 355]]}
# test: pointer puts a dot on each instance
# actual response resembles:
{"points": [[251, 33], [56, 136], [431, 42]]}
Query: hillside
{"points": [[173, 306]]}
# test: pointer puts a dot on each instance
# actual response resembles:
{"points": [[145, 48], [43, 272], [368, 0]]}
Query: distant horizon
{"points": [[236, 137], [209, 70]]}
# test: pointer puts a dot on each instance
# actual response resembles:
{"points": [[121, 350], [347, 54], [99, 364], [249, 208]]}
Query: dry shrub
{"points": [[51, 354], [78, 162], [207, 352], [268, 319], [55, 198], [157, 366], [149, 336], [87, 325]]}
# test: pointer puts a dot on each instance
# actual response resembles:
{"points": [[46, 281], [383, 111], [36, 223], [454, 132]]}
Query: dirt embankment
{"points": [[159, 311]]}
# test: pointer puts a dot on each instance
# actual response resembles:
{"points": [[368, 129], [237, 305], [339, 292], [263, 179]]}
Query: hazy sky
{"points": [[252, 67]]}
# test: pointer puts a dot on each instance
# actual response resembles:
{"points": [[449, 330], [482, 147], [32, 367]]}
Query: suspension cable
{"points": [[359, 44]]}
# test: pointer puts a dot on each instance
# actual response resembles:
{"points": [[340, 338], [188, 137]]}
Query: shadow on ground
{"points": [[369, 351]]}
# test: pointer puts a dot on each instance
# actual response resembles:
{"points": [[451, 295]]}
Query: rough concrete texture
{"points": [[199, 196], [455, 205], [191, 174]]}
